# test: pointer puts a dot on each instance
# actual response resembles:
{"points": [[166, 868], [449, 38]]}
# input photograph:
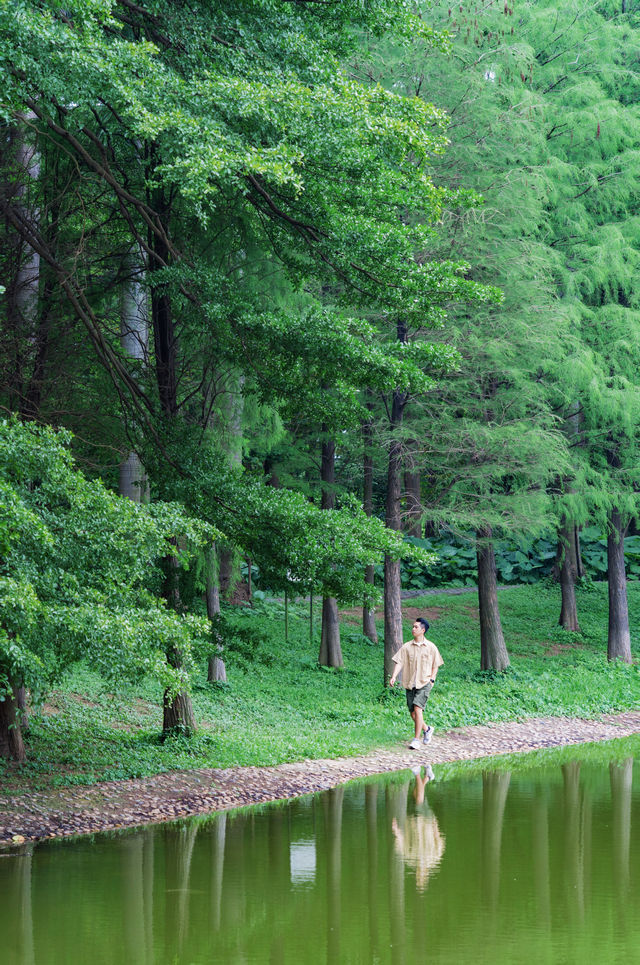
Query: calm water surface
{"points": [[534, 867]]}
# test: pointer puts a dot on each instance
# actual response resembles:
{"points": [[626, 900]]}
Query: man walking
{"points": [[418, 661]]}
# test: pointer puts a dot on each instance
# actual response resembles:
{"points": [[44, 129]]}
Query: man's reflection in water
{"points": [[419, 842]]}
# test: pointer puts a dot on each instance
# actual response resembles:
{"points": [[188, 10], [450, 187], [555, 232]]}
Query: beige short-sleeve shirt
{"points": [[419, 662]]}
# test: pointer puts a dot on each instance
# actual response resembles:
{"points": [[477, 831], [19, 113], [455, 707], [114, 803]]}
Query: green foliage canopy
{"points": [[79, 570]]}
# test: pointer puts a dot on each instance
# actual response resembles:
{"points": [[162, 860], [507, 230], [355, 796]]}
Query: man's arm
{"points": [[397, 659]]}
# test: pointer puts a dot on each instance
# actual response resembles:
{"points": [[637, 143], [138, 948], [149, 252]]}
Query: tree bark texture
{"points": [[619, 638], [11, 742], [369, 628], [28, 316], [177, 710], [569, 560], [134, 341], [330, 649], [232, 444], [392, 582], [493, 651], [413, 500], [216, 670]]}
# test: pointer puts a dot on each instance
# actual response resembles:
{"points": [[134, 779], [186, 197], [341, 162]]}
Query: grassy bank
{"points": [[280, 706]]}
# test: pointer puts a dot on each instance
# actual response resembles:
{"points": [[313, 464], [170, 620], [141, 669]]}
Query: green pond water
{"points": [[540, 865]]}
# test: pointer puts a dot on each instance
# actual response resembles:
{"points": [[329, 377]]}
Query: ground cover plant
{"points": [[279, 705], [526, 561]]}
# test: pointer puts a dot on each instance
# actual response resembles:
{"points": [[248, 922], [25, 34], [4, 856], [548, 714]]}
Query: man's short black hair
{"points": [[425, 623]]}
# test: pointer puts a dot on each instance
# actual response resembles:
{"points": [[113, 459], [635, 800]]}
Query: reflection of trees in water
{"points": [[17, 942], [225, 889], [371, 818], [621, 781], [495, 787], [332, 805], [577, 821], [217, 837], [396, 801], [136, 857], [178, 850], [540, 860]]}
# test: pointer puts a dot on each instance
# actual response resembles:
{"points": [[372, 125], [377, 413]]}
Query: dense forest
{"points": [[320, 299]]}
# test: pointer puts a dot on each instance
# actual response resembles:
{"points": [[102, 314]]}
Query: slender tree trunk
{"points": [[619, 639], [413, 513], [392, 583], [134, 341], [11, 742], [177, 710], [330, 649], [493, 651], [23, 281], [216, 670], [568, 556], [232, 443], [368, 614]]}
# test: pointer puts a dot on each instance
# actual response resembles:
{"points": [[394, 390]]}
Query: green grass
{"points": [[280, 706]]}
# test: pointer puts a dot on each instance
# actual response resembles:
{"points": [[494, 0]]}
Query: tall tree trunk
{"points": [[392, 583], [11, 742], [216, 670], [134, 341], [24, 265], [619, 639], [569, 559], [232, 444], [177, 710], [413, 512], [368, 613], [493, 651], [330, 649]]}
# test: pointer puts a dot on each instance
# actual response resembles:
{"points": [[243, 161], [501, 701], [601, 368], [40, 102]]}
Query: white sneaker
{"points": [[415, 744], [429, 772], [428, 734], [416, 770]]}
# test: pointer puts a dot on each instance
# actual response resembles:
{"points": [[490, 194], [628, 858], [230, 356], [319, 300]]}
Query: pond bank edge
{"points": [[113, 805]]}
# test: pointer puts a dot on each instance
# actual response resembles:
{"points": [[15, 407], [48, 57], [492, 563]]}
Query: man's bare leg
{"points": [[418, 720]]}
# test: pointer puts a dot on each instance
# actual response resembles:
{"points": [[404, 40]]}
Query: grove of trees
{"points": [[286, 283]]}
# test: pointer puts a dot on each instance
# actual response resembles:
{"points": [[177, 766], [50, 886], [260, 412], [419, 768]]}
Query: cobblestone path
{"points": [[120, 804]]}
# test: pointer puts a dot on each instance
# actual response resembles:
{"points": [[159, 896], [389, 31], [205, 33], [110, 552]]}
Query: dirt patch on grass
{"points": [[473, 611], [409, 613], [428, 612], [556, 648]]}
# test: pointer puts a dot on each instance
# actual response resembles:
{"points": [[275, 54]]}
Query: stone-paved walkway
{"points": [[120, 804]]}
